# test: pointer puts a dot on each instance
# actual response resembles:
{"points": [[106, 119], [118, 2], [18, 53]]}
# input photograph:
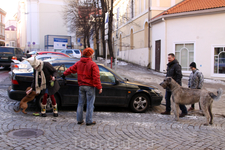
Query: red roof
{"points": [[193, 5]]}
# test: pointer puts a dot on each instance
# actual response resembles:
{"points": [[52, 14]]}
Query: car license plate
{"points": [[3, 57]]}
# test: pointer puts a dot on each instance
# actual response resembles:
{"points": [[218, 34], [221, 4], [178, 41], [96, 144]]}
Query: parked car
{"points": [[47, 53], [75, 53], [117, 91], [31, 53], [26, 65], [7, 54]]}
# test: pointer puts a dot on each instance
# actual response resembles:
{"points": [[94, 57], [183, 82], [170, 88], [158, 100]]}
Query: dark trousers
{"points": [[168, 103]]}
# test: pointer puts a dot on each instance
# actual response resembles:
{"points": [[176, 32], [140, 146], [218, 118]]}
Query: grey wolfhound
{"points": [[187, 96]]}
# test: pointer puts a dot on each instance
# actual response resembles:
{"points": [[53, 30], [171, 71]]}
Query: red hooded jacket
{"points": [[87, 72]]}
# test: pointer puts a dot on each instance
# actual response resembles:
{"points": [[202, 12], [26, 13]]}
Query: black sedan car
{"points": [[117, 91]]}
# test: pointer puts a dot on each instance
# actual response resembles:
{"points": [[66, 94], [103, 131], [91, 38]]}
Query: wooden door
{"points": [[157, 54]]}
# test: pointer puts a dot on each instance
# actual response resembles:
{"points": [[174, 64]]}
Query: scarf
{"points": [[43, 80], [38, 66]]}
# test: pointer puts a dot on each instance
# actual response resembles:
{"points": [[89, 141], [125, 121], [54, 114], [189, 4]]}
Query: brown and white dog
{"points": [[23, 103], [187, 96]]}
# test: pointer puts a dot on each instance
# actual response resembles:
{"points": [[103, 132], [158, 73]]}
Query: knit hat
{"points": [[34, 62], [88, 52], [193, 64]]}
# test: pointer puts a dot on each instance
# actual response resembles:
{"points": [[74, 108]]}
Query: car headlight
{"points": [[156, 91]]}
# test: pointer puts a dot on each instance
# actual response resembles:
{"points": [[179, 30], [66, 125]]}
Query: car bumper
{"points": [[156, 100], [16, 94], [5, 63]]}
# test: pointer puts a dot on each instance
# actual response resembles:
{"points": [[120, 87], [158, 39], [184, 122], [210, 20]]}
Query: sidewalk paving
{"points": [[149, 77]]}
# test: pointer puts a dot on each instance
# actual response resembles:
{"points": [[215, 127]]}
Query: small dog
{"points": [[23, 103], [187, 96]]}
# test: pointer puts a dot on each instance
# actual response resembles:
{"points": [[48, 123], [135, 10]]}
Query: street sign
{"points": [[60, 43]]}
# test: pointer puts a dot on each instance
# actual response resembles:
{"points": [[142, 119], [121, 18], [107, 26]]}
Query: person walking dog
{"points": [[195, 81], [45, 74], [174, 71], [88, 79]]}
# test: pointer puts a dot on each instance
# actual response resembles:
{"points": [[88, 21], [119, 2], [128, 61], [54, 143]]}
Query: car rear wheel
{"points": [[49, 102], [139, 103]]}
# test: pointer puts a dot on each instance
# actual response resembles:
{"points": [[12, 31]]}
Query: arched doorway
{"points": [[146, 34]]}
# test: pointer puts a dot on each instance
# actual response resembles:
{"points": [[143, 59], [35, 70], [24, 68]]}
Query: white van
{"points": [[75, 53]]}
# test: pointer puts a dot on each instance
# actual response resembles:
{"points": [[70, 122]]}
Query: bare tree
{"points": [[77, 17]]}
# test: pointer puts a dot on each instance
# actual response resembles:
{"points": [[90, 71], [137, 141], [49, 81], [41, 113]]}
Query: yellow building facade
{"points": [[132, 34]]}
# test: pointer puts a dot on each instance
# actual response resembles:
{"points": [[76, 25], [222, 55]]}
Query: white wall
{"points": [[205, 31], [137, 56], [51, 20], [158, 33], [33, 24]]}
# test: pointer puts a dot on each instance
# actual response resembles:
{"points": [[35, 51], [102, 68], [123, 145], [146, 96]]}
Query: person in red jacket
{"points": [[88, 79]]}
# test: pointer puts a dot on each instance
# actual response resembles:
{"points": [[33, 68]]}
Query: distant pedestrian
{"points": [[28, 51], [44, 79], [174, 71], [88, 79], [195, 81]]}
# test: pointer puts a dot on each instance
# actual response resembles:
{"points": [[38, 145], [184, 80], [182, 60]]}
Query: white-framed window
{"points": [[184, 53], [219, 60], [3, 19], [12, 43]]}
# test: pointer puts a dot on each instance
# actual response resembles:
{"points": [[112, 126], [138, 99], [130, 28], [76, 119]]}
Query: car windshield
{"points": [[121, 77], [77, 51], [6, 50]]}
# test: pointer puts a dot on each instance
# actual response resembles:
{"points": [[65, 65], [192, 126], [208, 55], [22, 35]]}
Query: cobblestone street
{"points": [[116, 129]]}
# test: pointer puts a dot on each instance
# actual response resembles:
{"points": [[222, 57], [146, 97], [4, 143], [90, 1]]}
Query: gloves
{"points": [[63, 76]]}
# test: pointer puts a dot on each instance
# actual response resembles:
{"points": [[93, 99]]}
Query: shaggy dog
{"points": [[187, 96], [23, 103]]}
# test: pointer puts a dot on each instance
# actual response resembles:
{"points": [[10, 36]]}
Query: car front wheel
{"points": [[139, 103], [49, 102]]}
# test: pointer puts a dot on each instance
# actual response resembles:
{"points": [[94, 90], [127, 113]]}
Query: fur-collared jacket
{"points": [[196, 80]]}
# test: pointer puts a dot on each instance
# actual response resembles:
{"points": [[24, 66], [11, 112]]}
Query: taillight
{"points": [[15, 66], [15, 82], [14, 58]]}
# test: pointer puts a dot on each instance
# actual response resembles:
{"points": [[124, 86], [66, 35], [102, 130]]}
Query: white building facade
{"points": [[37, 18], [192, 36]]}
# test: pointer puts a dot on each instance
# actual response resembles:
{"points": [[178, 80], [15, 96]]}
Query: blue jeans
{"points": [[168, 103], [89, 93]]}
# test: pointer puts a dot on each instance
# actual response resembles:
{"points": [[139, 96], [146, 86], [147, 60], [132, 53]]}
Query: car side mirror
{"points": [[116, 82]]}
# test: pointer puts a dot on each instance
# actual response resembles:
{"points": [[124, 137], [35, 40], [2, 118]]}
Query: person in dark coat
{"points": [[44, 79], [174, 71]]}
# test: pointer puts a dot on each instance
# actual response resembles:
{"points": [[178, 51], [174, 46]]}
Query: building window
{"points": [[132, 9], [219, 60], [12, 43], [185, 55]]}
